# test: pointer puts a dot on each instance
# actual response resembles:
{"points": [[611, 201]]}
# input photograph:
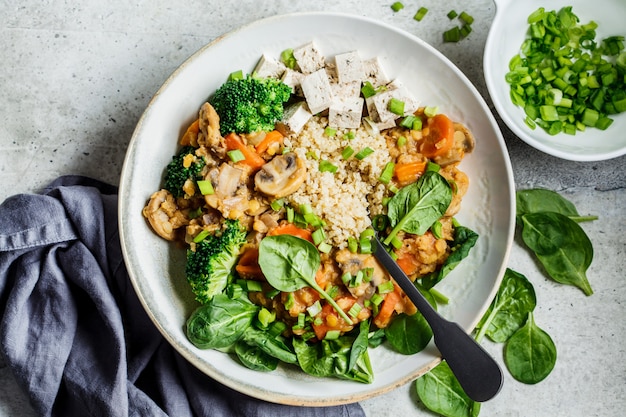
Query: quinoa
{"points": [[346, 199]]}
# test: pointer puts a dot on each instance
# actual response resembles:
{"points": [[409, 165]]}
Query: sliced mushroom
{"points": [[352, 263], [281, 176], [231, 193]]}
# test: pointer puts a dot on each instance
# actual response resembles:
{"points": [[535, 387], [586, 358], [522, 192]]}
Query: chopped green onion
{"points": [[327, 166], [236, 155], [277, 204], [253, 286], [387, 173], [290, 301], [431, 111], [330, 132], [396, 243], [368, 89], [324, 247], [288, 58], [376, 299], [353, 245], [205, 187], [266, 317], [397, 6], [466, 18], [314, 309], [365, 245], [385, 287], [452, 14], [349, 135], [437, 229], [452, 35], [421, 12], [465, 30], [318, 236], [347, 152], [432, 166], [401, 141], [355, 310], [201, 236], [235, 75], [364, 153], [396, 106], [332, 335], [290, 214], [346, 278]]}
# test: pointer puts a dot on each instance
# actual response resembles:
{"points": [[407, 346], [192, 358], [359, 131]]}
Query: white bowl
{"points": [[505, 37], [156, 267]]}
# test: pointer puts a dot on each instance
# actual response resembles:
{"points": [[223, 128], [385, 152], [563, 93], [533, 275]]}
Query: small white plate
{"points": [[156, 267], [506, 35]]}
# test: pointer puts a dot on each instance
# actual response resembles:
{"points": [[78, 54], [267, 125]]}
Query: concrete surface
{"points": [[76, 76]]}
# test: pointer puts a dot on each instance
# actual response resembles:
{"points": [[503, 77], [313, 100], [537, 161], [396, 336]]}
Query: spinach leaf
{"points": [[509, 309], [221, 322], [410, 334], [417, 206], [441, 393], [376, 338], [530, 354], [254, 358], [542, 200], [330, 358], [269, 344], [464, 241], [360, 344], [561, 246], [290, 263]]}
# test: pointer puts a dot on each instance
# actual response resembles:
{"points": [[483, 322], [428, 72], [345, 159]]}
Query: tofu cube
{"points": [[374, 72], [295, 116], [378, 104], [308, 58], [269, 67], [317, 91], [349, 67], [346, 112], [293, 79], [351, 89]]}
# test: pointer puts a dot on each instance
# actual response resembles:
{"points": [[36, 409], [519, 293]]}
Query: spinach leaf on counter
{"points": [[541, 200], [530, 354], [561, 246], [509, 309], [417, 206], [441, 393]]}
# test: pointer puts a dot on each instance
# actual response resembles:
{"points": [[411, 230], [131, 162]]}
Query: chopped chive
{"points": [[401, 141], [466, 18], [431, 111], [355, 310], [421, 12], [385, 287], [332, 335], [327, 166], [314, 309], [236, 155], [277, 204], [452, 14], [346, 278], [330, 132], [253, 286], [465, 30], [397, 6], [290, 214], [452, 35], [396, 106], [324, 247], [205, 187], [353, 245], [347, 152], [368, 89], [387, 173], [376, 299], [349, 135], [364, 153], [266, 317], [318, 236]]}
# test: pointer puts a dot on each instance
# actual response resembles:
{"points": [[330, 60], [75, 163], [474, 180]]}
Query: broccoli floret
{"points": [[176, 174], [209, 266], [250, 104]]}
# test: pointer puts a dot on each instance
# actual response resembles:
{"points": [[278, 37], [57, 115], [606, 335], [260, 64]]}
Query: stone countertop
{"points": [[77, 75]]}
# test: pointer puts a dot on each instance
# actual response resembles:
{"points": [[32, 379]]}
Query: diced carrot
{"points": [[330, 320], [251, 158], [291, 229], [248, 264], [438, 136], [407, 263], [387, 307], [190, 138], [408, 172], [271, 137]]}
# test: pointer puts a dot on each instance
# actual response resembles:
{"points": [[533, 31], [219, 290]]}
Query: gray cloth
{"points": [[72, 329]]}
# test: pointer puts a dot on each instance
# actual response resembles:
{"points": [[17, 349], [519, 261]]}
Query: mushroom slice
{"points": [[281, 176], [463, 143]]}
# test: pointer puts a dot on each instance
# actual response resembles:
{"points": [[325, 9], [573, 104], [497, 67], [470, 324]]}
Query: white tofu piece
{"points": [[349, 67], [309, 58], [269, 67], [293, 79], [351, 89], [378, 104], [295, 116], [374, 72], [317, 91], [346, 112], [411, 104]]}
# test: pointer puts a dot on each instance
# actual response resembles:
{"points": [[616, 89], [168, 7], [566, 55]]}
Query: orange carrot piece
{"points": [[387, 307], [248, 264], [251, 158], [291, 229], [408, 172], [407, 263], [438, 136], [270, 137], [190, 138]]}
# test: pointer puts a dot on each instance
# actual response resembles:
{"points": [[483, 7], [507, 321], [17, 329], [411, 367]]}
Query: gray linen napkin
{"points": [[72, 329]]}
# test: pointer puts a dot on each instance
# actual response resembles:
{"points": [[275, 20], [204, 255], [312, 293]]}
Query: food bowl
{"points": [[156, 267], [505, 37]]}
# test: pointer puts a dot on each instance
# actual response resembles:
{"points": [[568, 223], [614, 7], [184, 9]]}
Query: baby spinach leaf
{"points": [[561, 246], [330, 358], [221, 322], [440, 392], [360, 344], [268, 344], [542, 200], [290, 263], [408, 334], [530, 354], [464, 241], [254, 358], [509, 309], [417, 206]]}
